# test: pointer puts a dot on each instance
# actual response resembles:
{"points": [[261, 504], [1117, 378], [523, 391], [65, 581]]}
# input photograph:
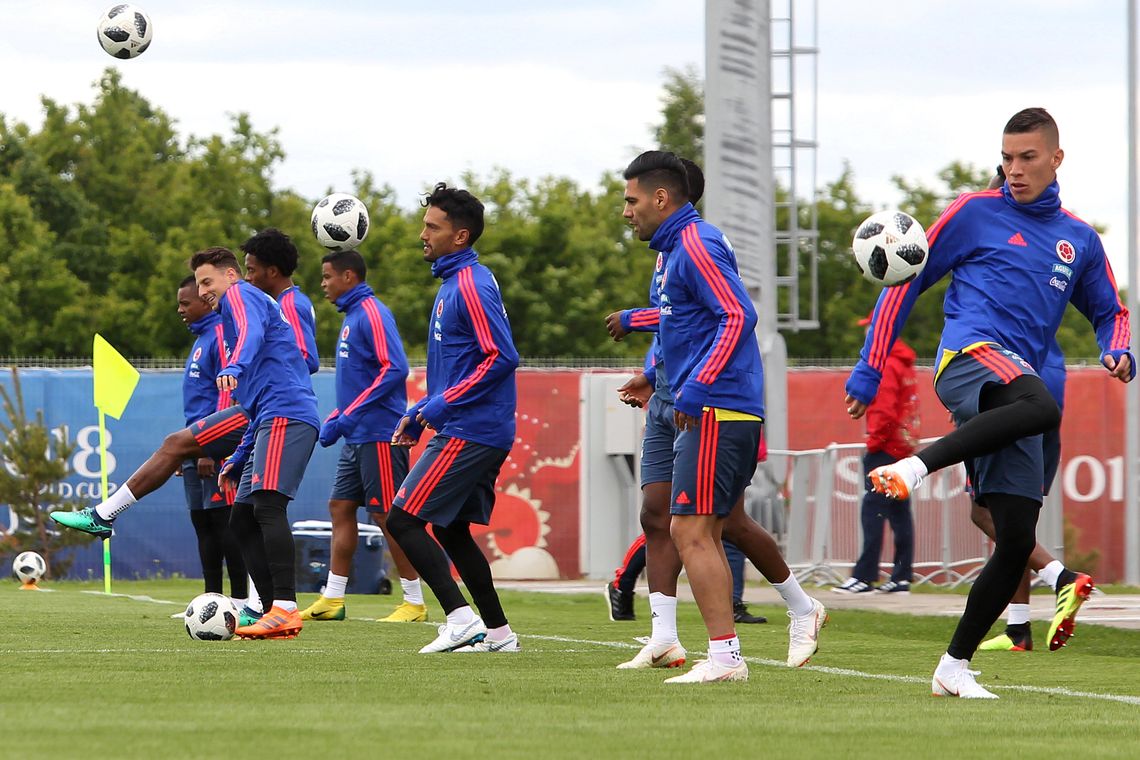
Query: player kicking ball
{"points": [[470, 403], [1018, 259]]}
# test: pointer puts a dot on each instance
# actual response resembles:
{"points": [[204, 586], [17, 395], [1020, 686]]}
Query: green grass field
{"points": [[89, 676]]}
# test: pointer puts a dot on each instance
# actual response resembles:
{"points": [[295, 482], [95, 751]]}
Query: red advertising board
{"points": [[534, 527]]}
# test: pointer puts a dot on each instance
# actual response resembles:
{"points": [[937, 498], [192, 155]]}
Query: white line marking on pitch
{"points": [[1059, 691], [1051, 690]]}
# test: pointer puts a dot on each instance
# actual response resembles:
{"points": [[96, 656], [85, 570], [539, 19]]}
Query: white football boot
{"points": [[803, 634], [452, 637], [707, 671], [953, 678], [656, 656]]}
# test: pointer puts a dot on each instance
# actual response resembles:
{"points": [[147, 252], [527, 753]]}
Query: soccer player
{"points": [[663, 192], [270, 260], [209, 506], [371, 397], [470, 403], [1018, 259], [269, 376]]}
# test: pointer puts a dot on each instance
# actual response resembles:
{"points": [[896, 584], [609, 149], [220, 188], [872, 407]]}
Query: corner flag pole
{"points": [[115, 380]]}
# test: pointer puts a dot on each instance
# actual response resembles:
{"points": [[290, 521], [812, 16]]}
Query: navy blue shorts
{"points": [[713, 464], [220, 433], [368, 473], [657, 442], [281, 451], [453, 481], [203, 493], [1018, 469]]}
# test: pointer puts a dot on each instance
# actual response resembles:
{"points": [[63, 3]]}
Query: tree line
{"points": [[101, 207]]}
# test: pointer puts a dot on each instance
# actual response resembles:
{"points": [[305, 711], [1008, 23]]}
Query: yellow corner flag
{"points": [[115, 381]]}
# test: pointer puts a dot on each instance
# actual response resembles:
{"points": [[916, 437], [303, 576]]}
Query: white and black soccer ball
{"points": [[890, 248], [340, 222], [211, 617], [125, 31], [29, 567]]}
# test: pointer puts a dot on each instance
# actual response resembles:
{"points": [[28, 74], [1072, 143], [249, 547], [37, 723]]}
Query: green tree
{"points": [[682, 127], [35, 460]]}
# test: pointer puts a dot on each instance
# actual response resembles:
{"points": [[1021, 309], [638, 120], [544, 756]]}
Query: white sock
{"points": [[287, 606], [413, 591], [502, 633], [334, 587], [254, 601], [116, 503], [917, 467], [1017, 614], [725, 652], [799, 603], [948, 663], [1051, 572], [663, 611], [461, 616]]}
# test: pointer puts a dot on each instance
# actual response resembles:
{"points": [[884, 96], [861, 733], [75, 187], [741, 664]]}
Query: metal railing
{"points": [[823, 491]]}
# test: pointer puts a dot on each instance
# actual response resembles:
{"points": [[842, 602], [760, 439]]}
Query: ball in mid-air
{"points": [[890, 248], [340, 222], [125, 31], [211, 617], [29, 567]]}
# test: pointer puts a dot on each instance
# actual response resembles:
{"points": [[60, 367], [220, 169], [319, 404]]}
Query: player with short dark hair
{"points": [[268, 375], [270, 260], [371, 397], [1018, 259], [209, 506], [470, 403], [652, 388]]}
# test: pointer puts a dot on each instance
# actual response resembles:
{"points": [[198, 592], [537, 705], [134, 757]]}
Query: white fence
{"points": [[820, 492]]}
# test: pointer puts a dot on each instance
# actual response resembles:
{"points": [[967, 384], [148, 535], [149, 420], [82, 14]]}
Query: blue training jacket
{"points": [[371, 371], [648, 319], [1016, 267], [471, 357], [707, 329], [273, 379], [200, 394], [301, 316]]}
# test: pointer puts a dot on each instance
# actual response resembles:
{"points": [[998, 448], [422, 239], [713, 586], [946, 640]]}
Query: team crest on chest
{"points": [[344, 333], [197, 353], [660, 263], [439, 308], [1066, 252]]}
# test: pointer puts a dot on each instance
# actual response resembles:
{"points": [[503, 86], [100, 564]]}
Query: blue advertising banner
{"points": [[155, 536]]}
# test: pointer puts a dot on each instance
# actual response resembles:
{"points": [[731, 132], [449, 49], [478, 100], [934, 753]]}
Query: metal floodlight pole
{"points": [[1132, 406]]}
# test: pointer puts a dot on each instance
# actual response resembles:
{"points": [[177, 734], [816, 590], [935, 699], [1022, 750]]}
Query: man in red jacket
{"points": [[892, 433]]}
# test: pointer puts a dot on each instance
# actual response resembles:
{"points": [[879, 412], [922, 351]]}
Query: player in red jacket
{"points": [[892, 433]]}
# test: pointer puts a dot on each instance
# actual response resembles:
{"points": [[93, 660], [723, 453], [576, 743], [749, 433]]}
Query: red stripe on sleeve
{"points": [[482, 332], [381, 345], [734, 322], [237, 306], [289, 308], [220, 342]]}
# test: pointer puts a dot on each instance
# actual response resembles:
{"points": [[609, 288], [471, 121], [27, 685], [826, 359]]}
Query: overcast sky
{"points": [[417, 92]]}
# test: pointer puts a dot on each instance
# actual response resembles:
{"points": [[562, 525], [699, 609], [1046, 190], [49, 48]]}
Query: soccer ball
{"points": [[340, 222], [890, 248], [125, 31], [211, 617], [29, 567]]}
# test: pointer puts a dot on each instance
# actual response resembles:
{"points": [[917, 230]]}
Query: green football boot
{"points": [[85, 520]]}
